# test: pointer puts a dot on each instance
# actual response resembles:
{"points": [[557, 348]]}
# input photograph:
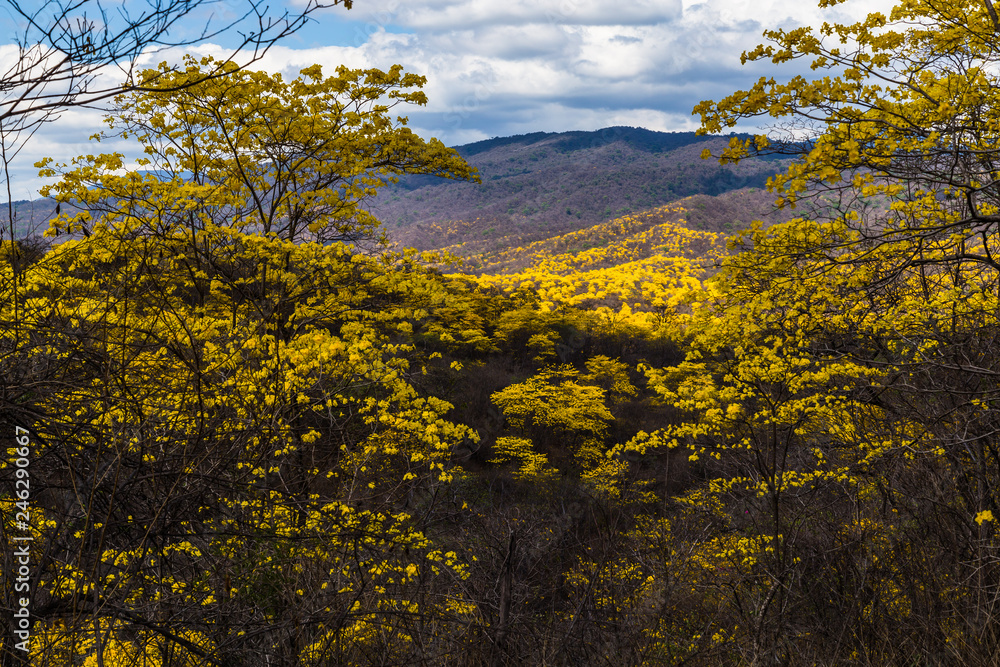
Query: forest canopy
{"points": [[256, 431]]}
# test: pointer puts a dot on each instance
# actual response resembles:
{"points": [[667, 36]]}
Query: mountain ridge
{"points": [[544, 184]]}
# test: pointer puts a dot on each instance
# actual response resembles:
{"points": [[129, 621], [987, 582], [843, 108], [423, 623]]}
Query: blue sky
{"points": [[502, 67]]}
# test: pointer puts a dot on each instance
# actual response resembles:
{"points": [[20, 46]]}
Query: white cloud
{"points": [[517, 66], [444, 15]]}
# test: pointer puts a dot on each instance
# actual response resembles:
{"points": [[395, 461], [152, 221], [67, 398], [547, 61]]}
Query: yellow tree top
{"points": [[250, 150]]}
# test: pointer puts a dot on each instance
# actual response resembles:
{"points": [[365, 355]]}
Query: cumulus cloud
{"points": [[501, 68], [446, 15], [517, 66]]}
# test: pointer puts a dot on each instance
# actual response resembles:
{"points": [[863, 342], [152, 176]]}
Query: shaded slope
{"points": [[553, 183]]}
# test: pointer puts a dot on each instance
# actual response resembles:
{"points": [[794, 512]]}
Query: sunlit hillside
{"points": [[663, 230]]}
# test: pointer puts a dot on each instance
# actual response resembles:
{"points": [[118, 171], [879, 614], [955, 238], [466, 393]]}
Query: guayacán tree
{"points": [[233, 455], [203, 474], [83, 54], [251, 151], [910, 121], [840, 386]]}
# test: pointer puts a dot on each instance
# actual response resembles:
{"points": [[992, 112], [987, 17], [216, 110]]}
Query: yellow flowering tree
{"points": [[837, 392], [230, 455], [248, 150]]}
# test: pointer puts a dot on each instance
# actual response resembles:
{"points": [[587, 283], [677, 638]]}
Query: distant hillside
{"points": [[492, 247], [627, 238], [634, 237], [543, 184], [641, 139], [539, 185], [30, 217], [645, 260]]}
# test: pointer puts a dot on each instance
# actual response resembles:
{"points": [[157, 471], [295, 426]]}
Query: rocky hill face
{"points": [[543, 184], [540, 185]]}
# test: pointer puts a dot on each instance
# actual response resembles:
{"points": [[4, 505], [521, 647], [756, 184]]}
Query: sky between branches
{"points": [[516, 66]]}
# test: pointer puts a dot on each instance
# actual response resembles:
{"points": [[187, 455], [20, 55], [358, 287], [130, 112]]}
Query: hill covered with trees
{"points": [[244, 426], [544, 184]]}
